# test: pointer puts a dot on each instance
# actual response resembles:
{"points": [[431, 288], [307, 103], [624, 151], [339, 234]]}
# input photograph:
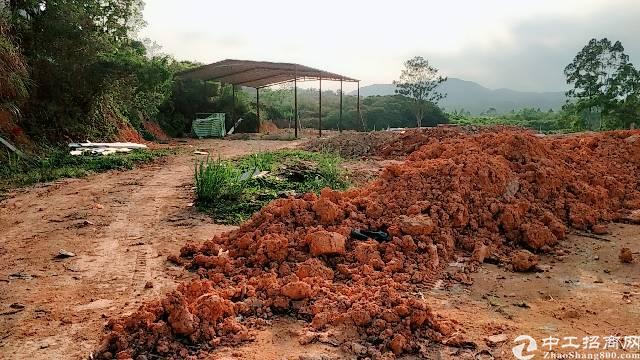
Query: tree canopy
{"points": [[418, 81], [606, 85]]}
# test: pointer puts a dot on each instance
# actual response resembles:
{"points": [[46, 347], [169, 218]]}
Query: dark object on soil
{"points": [[370, 234], [299, 171]]}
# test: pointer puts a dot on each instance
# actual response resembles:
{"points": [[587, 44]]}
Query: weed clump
{"points": [[60, 164], [232, 190]]}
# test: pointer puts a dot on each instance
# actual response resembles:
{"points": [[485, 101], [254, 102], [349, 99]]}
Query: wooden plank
{"points": [[11, 147]]}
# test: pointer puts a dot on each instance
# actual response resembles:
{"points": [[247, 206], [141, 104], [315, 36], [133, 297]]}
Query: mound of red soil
{"points": [[395, 144], [490, 193]]}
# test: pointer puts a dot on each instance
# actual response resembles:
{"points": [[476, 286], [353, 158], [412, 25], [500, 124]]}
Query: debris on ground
{"points": [[626, 256], [63, 254], [495, 340], [353, 145], [104, 148], [498, 192]]}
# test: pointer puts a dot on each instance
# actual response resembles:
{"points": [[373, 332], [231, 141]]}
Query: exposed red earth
{"points": [[501, 194]]}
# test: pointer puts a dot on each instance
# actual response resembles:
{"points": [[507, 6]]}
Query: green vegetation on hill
{"points": [[89, 78], [543, 121]]}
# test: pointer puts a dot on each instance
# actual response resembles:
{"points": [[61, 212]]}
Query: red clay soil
{"points": [[155, 129], [126, 132], [486, 195]]}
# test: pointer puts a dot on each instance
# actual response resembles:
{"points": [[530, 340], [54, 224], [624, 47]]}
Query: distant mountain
{"points": [[475, 98]]}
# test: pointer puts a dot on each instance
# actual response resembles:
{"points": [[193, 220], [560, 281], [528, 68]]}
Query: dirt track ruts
{"points": [[120, 225]]}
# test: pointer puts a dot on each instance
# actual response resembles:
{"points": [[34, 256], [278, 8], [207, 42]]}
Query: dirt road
{"points": [[120, 225]]}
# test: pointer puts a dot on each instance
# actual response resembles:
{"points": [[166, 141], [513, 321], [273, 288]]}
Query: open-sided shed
{"points": [[259, 74]]}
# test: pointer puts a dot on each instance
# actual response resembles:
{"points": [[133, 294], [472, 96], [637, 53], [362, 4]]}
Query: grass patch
{"points": [[59, 164], [232, 190]]}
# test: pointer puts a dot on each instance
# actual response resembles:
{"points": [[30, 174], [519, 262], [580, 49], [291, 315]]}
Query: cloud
{"points": [[522, 44], [541, 49]]}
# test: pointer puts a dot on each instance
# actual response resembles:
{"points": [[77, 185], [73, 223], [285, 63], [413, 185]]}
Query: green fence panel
{"points": [[209, 125]]}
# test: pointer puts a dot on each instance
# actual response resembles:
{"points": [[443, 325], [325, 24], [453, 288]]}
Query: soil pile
{"points": [[489, 194], [353, 144], [392, 144]]}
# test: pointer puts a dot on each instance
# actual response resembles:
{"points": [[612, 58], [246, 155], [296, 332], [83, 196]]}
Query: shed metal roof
{"points": [[257, 74]]}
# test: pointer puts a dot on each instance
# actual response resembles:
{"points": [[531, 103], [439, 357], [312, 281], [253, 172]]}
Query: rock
{"points": [[63, 254], [625, 255], [434, 259], [416, 225], [307, 338], [537, 236], [314, 357], [327, 211], [180, 319], [314, 268], [296, 290], [398, 344], [148, 285], [512, 188], [358, 349], [523, 260], [600, 229], [495, 340], [360, 317], [634, 217], [326, 243], [480, 253]]}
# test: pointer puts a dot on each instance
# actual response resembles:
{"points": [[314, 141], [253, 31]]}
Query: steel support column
{"points": [[295, 104], [258, 107], [233, 104], [358, 106], [340, 119], [320, 109]]}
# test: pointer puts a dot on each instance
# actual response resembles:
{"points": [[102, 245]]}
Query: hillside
{"points": [[473, 97]]}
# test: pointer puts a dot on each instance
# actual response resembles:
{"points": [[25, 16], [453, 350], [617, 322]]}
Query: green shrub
{"points": [[60, 164], [218, 180], [228, 190]]}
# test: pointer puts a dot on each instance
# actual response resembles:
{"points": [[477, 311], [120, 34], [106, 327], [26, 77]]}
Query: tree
{"points": [[14, 75], [89, 75], [418, 81], [603, 80]]}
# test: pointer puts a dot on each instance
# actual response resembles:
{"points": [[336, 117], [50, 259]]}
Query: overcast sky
{"points": [[518, 44]]}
